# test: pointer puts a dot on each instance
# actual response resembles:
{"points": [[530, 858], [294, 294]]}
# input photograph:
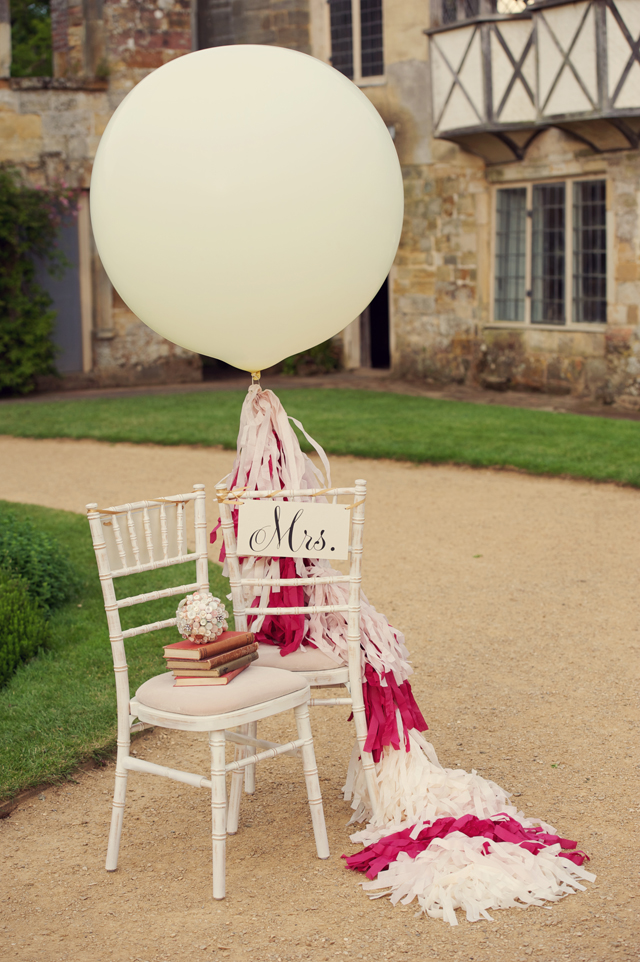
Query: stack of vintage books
{"points": [[211, 663]]}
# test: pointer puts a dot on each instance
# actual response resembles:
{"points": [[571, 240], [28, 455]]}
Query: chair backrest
{"points": [[138, 537], [227, 500]]}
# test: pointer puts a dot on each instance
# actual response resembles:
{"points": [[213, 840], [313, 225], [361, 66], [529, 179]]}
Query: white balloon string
{"points": [[319, 450]]}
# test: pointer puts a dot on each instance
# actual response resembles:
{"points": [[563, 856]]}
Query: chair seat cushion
{"points": [[304, 658], [251, 687]]}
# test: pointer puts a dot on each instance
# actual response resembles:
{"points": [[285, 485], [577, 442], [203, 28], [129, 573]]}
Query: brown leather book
{"points": [[230, 667], [194, 651], [183, 682], [207, 663]]}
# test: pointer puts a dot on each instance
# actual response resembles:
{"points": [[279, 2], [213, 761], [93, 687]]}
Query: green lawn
{"points": [[364, 423], [60, 709]]}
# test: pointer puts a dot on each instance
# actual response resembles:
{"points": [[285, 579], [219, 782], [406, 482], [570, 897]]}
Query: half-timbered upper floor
{"points": [[503, 70]]}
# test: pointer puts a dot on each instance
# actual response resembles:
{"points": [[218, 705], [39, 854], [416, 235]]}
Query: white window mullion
{"points": [[568, 252], [527, 274], [493, 246], [357, 41], [609, 227]]}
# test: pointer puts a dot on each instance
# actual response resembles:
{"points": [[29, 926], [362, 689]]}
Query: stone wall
{"points": [[118, 39], [440, 284], [600, 363], [440, 299], [435, 280], [131, 353], [50, 129], [441, 295], [142, 35], [284, 23], [442, 328]]}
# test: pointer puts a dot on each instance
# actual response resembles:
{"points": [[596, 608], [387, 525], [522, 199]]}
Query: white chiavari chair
{"points": [[145, 536], [317, 668]]}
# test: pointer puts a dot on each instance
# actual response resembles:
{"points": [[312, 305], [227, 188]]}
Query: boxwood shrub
{"points": [[23, 626], [38, 559]]}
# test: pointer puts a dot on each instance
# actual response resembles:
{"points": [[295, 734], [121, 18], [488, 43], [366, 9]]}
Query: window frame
{"points": [[376, 80], [569, 324]]}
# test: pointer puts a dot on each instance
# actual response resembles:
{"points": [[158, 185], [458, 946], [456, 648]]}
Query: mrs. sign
{"points": [[293, 529]]}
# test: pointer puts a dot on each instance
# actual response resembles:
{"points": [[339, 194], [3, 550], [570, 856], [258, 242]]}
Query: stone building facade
{"points": [[50, 128], [517, 125], [530, 201]]}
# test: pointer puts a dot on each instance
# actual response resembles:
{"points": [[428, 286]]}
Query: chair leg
{"points": [[117, 810], [368, 764], [218, 811], [235, 793], [250, 770], [313, 783]]}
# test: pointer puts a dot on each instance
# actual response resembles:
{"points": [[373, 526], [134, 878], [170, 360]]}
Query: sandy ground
{"points": [[519, 600]]}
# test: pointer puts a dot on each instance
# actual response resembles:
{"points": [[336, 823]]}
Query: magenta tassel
{"points": [[501, 828]]}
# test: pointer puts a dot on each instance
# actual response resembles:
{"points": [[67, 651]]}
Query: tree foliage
{"points": [[31, 54], [29, 222]]}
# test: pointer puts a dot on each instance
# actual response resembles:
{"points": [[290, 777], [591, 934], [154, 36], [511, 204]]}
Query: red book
{"points": [[196, 650], [206, 680], [206, 664], [182, 672]]}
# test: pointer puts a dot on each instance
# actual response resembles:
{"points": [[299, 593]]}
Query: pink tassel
{"points": [[382, 696], [501, 828], [269, 458], [286, 631]]}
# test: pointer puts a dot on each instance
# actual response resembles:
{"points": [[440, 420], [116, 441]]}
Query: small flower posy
{"points": [[201, 617]]}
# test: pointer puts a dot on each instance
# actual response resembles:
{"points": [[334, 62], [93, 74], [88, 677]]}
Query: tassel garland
{"points": [[448, 838], [501, 828]]}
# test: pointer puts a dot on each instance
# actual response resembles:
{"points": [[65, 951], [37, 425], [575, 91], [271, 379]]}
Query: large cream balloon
{"points": [[246, 202]]}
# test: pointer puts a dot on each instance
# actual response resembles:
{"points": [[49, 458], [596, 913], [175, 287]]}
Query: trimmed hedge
{"points": [[38, 559], [23, 628]]}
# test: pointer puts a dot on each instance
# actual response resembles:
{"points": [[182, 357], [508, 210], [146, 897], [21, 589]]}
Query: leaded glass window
{"points": [[589, 252], [551, 253], [342, 36], [511, 217], [449, 11], [371, 38], [357, 38], [547, 262]]}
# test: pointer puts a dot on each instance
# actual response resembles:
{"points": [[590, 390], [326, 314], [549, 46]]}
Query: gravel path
{"points": [[519, 600]]}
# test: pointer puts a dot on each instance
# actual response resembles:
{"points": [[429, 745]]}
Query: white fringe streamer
{"points": [[454, 873], [261, 465], [414, 788]]}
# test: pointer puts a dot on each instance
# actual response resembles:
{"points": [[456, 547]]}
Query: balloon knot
{"points": [[255, 375]]}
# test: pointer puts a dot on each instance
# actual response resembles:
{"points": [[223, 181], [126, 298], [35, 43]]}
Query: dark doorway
{"points": [[374, 331], [65, 293]]}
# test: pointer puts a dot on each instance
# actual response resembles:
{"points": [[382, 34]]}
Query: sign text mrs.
{"points": [[293, 529]]}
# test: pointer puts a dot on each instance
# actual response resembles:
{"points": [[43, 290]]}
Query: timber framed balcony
{"points": [[499, 79]]}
